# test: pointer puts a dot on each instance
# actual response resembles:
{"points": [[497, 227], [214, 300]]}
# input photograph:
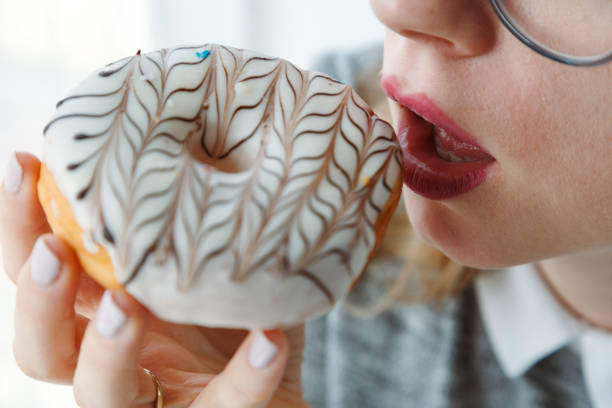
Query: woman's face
{"points": [[538, 133]]}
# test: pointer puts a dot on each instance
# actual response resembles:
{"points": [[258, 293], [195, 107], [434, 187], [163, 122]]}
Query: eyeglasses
{"points": [[573, 32]]}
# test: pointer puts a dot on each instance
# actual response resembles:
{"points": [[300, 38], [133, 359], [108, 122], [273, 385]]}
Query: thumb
{"points": [[252, 376]]}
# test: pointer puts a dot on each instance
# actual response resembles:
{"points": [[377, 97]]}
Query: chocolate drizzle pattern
{"points": [[233, 164]]}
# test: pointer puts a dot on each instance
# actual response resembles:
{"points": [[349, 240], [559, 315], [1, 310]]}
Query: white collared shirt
{"points": [[525, 323]]}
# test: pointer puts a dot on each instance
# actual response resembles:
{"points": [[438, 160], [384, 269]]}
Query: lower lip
{"points": [[428, 174]]}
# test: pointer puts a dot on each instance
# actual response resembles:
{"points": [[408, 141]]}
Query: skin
{"points": [[546, 200], [548, 125]]}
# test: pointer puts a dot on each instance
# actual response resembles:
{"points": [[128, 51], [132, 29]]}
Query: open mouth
{"points": [[441, 160], [453, 150]]}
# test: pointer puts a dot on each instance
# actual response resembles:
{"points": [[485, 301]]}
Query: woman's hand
{"points": [[65, 334]]}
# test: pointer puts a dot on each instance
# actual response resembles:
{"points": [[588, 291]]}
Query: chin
{"points": [[465, 242]]}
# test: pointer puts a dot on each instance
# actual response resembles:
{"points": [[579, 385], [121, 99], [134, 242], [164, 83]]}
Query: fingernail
{"points": [[262, 351], [14, 175], [110, 317], [44, 265]]}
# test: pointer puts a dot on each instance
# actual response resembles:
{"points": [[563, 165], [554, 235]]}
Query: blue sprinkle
{"points": [[203, 54]]}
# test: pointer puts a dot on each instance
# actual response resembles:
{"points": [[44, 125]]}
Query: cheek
{"points": [[555, 150]]}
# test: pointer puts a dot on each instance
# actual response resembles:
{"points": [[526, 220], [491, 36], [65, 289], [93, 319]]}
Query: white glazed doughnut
{"points": [[226, 188]]}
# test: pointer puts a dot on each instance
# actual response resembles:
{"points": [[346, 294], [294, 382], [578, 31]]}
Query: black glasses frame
{"points": [[514, 28]]}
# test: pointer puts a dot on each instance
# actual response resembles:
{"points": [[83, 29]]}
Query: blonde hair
{"points": [[422, 272]]}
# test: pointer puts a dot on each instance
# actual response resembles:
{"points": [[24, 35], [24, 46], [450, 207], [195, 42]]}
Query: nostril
{"points": [[433, 40], [458, 28]]}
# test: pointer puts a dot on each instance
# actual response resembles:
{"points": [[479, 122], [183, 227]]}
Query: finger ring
{"points": [[159, 397]]}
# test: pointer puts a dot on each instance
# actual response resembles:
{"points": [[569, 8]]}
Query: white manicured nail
{"points": [[44, 265], [14, 176], [262, 351], [110, 316]]}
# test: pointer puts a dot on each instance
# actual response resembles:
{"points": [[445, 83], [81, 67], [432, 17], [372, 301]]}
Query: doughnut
{"points": [[219, 186]]}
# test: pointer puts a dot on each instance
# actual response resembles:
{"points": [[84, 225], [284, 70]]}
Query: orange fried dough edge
{"points": [[61, 219]]}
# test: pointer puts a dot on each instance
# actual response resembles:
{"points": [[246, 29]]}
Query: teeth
{"points": [[446, 155]]}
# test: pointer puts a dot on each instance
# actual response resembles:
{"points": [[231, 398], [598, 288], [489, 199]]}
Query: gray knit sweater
{"points": [[421, 355], [426, 356]]}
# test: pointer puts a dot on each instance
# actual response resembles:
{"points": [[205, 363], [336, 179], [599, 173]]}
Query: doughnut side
{"points": [[381, 224], [96, 262]]}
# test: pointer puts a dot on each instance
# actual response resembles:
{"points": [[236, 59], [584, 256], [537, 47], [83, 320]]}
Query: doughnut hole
{"points": [[234, 149], [237, 161]]}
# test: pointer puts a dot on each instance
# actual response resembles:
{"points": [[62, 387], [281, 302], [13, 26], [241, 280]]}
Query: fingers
{"points": [[22, 219], [252, 376], [107, 373], [46, 328], [48, 333]]}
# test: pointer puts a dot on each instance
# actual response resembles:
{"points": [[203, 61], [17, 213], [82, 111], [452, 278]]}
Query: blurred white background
{"points": [[47, 46]]}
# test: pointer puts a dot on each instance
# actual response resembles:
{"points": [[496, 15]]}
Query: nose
{"points": [[457, 28]]}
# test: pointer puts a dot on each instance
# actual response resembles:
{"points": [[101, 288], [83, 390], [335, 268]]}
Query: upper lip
{"points": [[421, 105]]}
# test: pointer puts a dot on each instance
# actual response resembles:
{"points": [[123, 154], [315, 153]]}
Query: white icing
{"points": [[303, 169]]}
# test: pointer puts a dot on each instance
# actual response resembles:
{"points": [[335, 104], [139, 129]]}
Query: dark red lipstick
{"points": [[441, 160]]}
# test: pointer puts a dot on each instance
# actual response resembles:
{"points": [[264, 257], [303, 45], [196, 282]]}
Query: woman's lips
{"points": [[441, 160]]}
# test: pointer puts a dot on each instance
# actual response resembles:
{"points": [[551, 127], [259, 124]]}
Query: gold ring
{"points": [[159, 397]]}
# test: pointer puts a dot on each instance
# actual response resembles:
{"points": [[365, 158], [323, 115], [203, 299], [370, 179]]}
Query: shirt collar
{"points": [[525, 323]]}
